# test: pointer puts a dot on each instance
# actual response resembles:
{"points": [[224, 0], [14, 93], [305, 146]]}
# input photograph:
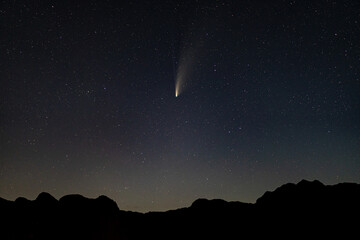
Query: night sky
{"points": [[268, 94]]}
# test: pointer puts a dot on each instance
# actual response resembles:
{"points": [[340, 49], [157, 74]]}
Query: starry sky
{"points": [[270, 95]]}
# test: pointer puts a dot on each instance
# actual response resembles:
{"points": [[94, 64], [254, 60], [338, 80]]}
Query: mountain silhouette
{"points": [[306, 209]]}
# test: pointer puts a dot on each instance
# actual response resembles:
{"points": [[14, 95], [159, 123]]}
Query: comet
{"points": [[185, 67], [179, 81]]}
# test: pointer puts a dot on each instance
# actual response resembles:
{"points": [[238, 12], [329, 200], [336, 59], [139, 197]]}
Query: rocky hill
{"points": [[306, 210]]}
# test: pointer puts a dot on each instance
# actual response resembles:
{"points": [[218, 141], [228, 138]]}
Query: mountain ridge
{"points": [[45, 196], [309, 206]]}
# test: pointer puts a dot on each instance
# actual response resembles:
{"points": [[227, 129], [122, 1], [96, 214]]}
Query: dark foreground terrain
{"points": [[305, 210]]}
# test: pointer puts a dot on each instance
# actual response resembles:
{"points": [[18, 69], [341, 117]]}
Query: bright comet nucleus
{"points": [[177, 87]]}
